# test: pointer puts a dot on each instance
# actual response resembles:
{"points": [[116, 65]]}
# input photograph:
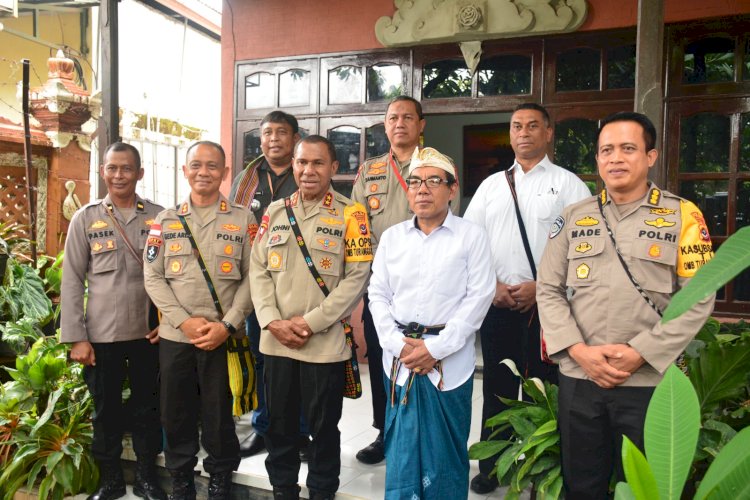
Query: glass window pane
{"points": [[384, 82], [578, 69], [448, 78], [259, 91], [251, 146], [504, 75], [294, 88], [742, 217], [704, 143], [575, 145], [621, 67], [376, 141], [742, 286], [346, 139], [746, 71], [711, 198], [745, 142], [709, 60], [345, 85], [343, 187]]}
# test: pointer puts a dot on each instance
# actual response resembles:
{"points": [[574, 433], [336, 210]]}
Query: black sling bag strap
{"points": [[637, 285], [202, 265], [353, 383], [136, 255], [524, 237]]}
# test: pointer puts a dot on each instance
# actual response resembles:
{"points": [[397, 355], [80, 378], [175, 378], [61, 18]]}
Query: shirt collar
{"points": [[652, 198], [541, 166], [448, 223]]}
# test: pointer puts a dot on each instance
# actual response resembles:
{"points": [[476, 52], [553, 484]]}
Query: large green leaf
{"points": [[730, 260], [26, 291], [720, 373], [638, 472], [486, 449], [624, 492], [671, 432], [729, 474]]}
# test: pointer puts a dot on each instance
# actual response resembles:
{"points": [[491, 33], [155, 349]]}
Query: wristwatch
{"points": [[230, 327]]}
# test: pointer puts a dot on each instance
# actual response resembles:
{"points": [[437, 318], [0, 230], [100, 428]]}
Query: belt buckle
{"points": [[414, 329]]}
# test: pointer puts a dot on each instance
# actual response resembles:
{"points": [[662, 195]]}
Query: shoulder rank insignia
{"points": [[184, 208], [140, 206], [100, 224], [662, 211], [654, 196], [328, 200], [222, 206], [587, 221], [557, 226], [583, 247], [603, 197], [659, 222]]}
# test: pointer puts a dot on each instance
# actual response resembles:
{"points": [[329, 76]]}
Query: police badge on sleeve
{"points": [[556, 227], [152, 248]]}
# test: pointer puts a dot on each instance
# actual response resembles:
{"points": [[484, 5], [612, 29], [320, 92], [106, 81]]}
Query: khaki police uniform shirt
{"points": [[664, 241], [379, 189], [337, 235], [173, 276], [117, 306]]}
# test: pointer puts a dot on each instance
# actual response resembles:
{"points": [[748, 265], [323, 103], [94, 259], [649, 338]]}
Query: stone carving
{"points": [[420, 22], [71, 203]]}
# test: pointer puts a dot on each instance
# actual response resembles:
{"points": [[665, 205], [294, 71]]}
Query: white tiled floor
{"points": [[358, 481]]}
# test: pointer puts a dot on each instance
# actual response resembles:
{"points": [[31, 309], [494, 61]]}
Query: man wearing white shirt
{"points": [[511, 327], [431, 284]]}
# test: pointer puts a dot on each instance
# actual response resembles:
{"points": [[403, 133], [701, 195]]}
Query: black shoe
{"points": [[374, 453], [253, 445], [483, 484], [317, 495], [111, 483], [304, 448], [146, 483], [183, 485], [286, 493], [219, 485]]}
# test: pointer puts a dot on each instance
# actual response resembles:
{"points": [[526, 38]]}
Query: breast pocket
{"points": [[177, 254], [227, 260], [548, 207], [652, 265], [325, 252], [277, 251], [103, 256], [585, 262], [376, 198]]}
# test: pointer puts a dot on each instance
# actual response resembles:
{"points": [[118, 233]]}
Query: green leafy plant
{"points": [[45, 429], [531, 456], [671, 435]]}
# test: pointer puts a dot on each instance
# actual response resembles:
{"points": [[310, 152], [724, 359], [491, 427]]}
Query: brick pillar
{"points": [[62, 108]]}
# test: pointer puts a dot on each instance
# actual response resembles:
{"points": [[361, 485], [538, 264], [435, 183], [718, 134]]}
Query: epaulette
{"points": [[372, 158]]}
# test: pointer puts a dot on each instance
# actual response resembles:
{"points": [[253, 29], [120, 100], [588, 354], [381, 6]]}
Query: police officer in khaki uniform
{"points": [[607, 338], [381, 188], [111, 335], [303, 337], [194, 378]]}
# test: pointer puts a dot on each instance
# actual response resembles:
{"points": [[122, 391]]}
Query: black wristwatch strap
{"points": [[229, 326]]}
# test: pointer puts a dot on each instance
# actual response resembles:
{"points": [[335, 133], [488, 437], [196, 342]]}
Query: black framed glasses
{"points": [[432, 182]]}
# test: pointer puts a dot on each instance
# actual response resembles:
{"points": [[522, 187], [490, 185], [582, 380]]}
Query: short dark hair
{"points": [[213, 144], [417, 104], [536, 107], [649, 131], [123, 147], [450, 178], [318, 139], [279, 116]]}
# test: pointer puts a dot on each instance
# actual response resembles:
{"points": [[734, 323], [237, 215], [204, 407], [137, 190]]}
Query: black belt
{"points": [[416, 330]]}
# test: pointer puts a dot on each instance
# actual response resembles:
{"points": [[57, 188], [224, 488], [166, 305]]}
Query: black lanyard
{"points": [[202, 265]]}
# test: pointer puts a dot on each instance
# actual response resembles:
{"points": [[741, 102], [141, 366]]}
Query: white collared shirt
{"points": [[542, 193], [442, 278]]}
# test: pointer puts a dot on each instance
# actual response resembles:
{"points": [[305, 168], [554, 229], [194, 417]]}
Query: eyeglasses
{"points": [[433, 182]]}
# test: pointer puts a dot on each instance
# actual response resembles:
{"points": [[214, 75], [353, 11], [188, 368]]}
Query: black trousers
{"points": [[195, 384], [317, 389], [592, 421], [138, 360], [514, 335], [375, 366]]}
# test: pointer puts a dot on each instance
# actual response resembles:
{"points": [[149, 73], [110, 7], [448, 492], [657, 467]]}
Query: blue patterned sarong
{"points": [[425, 442]]}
